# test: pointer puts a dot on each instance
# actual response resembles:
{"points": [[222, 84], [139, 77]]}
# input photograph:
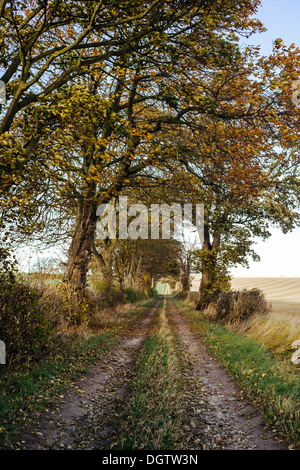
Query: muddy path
{"points": [[85, 416], [217, 417]]}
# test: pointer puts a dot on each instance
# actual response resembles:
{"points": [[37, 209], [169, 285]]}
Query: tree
{"points": [[231, 223], [189, 80], [44, 45], [136, 264], [244, 165]]}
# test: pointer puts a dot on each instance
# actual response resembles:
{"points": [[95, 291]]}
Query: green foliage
{"points": [[105, 294], [133, 295], [109, 295], [181, 295], [8, 264]]}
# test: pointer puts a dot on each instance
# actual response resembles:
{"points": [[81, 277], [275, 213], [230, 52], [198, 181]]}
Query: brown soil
{"points": [[216, 416], [85, 417]]}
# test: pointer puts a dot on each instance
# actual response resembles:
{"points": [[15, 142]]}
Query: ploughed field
{"points": [[282, 292]]}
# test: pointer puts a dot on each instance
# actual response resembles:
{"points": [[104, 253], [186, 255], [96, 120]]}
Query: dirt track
{"points": [[215, 416], [84, 418], [218, 418]]}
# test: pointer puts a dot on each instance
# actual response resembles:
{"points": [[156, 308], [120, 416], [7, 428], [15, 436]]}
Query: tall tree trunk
{"points": [[121, 285], [130, 273], [185, 273], [105, 260], [119, 267], [208, 269], [137, 282], [81, 246], [185, 281]]}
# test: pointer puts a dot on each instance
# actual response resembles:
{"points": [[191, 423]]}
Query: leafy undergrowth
{"points": [[25, 393], [269, 380], [152, 418]]}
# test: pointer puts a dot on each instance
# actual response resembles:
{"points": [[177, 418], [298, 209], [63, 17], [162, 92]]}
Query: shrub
{"points": [[105, 295], [152, 292], [235, 307], [75, 308], [133, 295], [224, 305], [210, 311], [181, 295], [192, 297], [24, 326]]}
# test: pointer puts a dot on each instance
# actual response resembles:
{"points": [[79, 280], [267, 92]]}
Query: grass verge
{"points": [[269, 381], [276, 334], [25, 393], [152, 418]]}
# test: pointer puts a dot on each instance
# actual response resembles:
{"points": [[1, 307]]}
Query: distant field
{"points": [[275, 288], [282, 292]]}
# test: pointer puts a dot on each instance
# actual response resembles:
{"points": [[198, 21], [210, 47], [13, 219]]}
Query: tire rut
{"points": [[84, 418], [218, 418]]}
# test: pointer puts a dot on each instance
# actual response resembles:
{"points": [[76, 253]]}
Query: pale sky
{"points": [[280, 255], [281, 18]]}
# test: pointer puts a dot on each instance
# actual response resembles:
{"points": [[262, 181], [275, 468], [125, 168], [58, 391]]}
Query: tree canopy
{"points": [[155, 100]]}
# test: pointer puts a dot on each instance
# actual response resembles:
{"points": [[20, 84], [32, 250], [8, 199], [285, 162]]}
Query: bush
{"points": [[234, 307], [192, 297], [133, 295], [181, 295], [105, 295], [24, 326], [210, 311], [75, 308]]}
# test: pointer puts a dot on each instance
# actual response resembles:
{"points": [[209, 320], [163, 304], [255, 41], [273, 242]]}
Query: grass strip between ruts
{"points": [[152, 418]]}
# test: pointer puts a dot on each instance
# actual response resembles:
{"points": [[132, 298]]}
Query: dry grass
{"points": [[286, 312], [108, 318], [281, 326], [274, 333]]}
